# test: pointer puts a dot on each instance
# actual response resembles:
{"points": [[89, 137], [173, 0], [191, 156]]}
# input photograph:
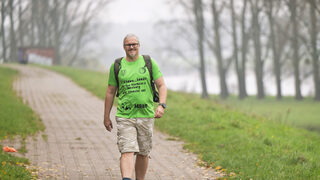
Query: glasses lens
{"points": [[133, 45]]}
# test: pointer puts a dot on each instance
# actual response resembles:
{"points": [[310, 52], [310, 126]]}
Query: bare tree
{"points": [[21, 26], [34, 12], [295, 47], [199, 20], [274, 44], [240, 63], [3, 35], [62, 25], [43, 31], [13, 44], [256, 32], [315, 57], [87, 16], [222, 67]]}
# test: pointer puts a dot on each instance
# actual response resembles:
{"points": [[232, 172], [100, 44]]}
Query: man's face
{"points": [[131, 46]]}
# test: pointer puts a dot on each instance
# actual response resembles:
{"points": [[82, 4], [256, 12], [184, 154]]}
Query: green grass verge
{"points": [[303, 114], [248, 145], [16, 118], [12, 167]]}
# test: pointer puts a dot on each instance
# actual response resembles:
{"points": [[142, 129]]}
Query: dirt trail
{"points": [[75, 144]]}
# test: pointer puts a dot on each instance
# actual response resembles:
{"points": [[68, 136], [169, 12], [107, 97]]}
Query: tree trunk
{"points": [[315, 58], [257, 49], [238, 65], [276, 58], [3, 35], [13, 44], [57, 34], [295, 48], [198, 12], [21, 25], [244, 49], [218, 53], [42, 24], [34, 19]]}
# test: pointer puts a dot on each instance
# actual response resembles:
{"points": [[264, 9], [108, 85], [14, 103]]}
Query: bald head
{"points": [[131, 36]]}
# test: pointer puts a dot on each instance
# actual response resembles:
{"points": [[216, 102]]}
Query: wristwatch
{"points": [[163, 105]]}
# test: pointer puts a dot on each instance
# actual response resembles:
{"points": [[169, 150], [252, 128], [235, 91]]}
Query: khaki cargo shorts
{"points": [[135, 135]]}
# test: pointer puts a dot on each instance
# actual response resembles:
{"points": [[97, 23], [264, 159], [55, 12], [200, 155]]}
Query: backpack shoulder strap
{"points": [[117, 67], [148, 63], [147, 60]]}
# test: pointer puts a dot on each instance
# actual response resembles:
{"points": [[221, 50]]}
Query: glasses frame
{"points": [[132, 44]]}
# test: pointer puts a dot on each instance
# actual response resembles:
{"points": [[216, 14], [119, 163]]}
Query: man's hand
{"points": [[159, 112], [108, 124]]}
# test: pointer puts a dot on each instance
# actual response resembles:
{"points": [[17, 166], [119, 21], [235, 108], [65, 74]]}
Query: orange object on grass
{"points": [[9, 149]]}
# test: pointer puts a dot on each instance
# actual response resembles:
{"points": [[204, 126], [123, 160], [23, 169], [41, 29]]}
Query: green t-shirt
{"points": [[135, 92]]}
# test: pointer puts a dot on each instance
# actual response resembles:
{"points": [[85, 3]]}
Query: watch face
{"points": [[163, 105]]}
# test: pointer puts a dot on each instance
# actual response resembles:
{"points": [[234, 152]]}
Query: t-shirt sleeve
{"points": [[112, 79], [156, 73]]}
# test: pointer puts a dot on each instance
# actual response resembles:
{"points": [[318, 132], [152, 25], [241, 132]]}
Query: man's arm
{"points": [[161, 86], [111, 90]]}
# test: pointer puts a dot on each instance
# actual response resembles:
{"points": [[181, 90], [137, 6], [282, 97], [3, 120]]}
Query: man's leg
{"points": [[127, 164], [141, 166]]}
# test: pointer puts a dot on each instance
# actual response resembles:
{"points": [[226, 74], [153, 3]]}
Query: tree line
{"points": [[280, 37], [66, 26]]}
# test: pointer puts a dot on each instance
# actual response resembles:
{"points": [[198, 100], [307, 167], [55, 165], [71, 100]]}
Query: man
{"points": [[135, 113]]}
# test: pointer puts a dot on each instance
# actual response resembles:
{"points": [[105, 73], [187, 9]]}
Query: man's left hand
{"points": [[159, 112]]}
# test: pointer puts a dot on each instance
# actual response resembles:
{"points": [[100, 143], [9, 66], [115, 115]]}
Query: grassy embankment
{"points": [[243, 145], [16, 119], [305, 114]]}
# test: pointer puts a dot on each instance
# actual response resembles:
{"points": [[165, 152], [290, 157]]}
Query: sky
{"points": [[126, 11]]}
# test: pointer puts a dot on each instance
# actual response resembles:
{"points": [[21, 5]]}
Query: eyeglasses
{"points": [[133, 45]]}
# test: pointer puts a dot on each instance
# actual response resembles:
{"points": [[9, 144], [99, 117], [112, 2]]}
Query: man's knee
{"points": [[142, 156], [127, 155]]}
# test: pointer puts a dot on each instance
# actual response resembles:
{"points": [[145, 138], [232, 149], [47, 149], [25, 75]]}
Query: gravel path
{"points": [[75, 144]]}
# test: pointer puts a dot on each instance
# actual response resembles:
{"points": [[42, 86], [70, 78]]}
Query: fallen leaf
{"points": [[9, 149]]}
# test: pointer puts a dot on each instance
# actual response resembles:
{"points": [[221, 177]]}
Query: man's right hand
{"points": [[108, 124]]}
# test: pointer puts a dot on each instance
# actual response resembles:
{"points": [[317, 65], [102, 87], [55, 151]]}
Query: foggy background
{"points": [[258, 40]]}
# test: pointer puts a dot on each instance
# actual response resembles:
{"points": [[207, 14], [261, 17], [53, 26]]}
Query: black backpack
{"points": [[147, 60]]}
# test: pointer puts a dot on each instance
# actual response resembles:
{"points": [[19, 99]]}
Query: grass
{"points": [[247, 145], [303, 114], [12, 167], [16, 119], [242, 145]]}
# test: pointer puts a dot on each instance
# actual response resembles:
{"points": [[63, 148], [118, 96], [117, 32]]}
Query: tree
{"points": [[199, 22], [222, 68], [63, 25], [275, 47], [21, 26], [3, 35], [13, 44], [315, 57], [255, 11], [295, 47], [240, 63]]}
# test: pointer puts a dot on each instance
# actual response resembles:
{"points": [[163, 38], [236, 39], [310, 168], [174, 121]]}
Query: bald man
{"points": [[135, 112]]}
